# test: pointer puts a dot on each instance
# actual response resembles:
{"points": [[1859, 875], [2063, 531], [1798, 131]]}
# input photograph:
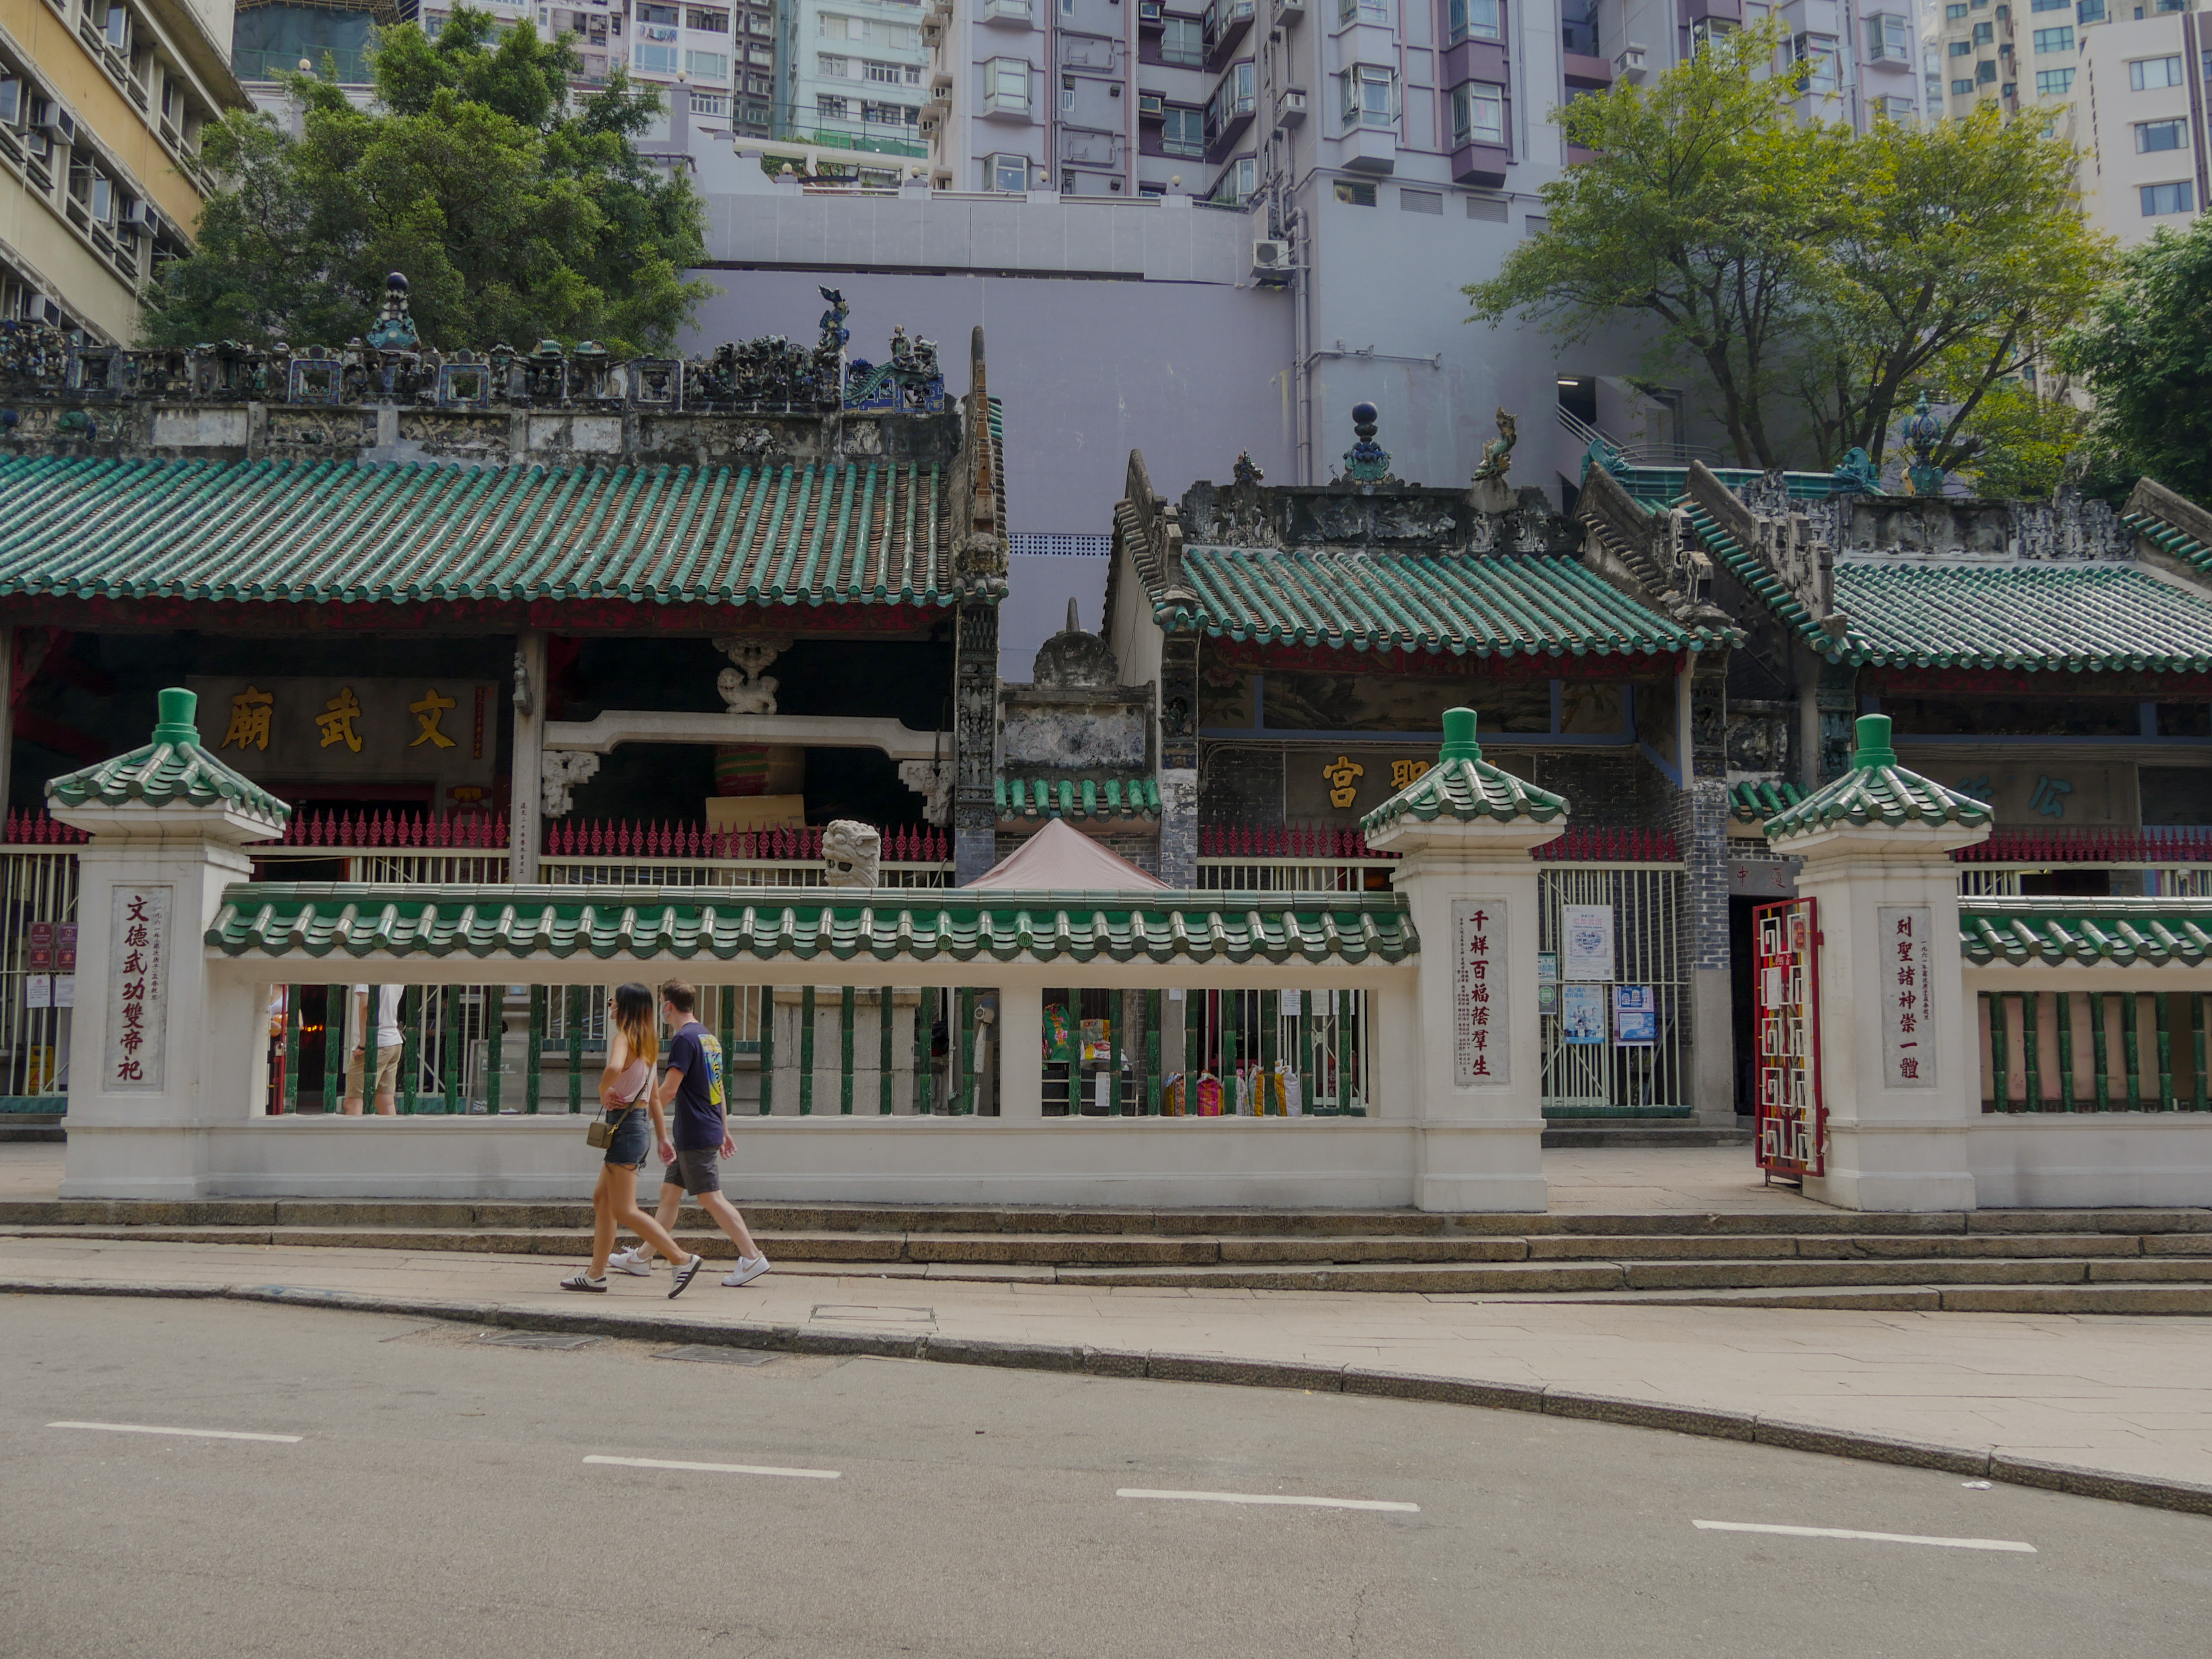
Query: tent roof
{"points": [[1062, 858]]}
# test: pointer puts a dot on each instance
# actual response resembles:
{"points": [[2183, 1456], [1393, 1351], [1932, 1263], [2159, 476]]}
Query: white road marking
{"points": [[717, 1468], [196, 1434], [2005, 1544], [1272, 1498]]}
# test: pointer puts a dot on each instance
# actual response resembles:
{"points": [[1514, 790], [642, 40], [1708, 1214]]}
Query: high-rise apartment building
{"points": [[2139, 104], [101, 106], [854, 75]]}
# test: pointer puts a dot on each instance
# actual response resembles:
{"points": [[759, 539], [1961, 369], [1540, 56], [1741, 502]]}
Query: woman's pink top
{"points": [[632, 1078]]}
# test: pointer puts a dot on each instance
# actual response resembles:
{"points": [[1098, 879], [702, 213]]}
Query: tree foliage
{"points": [[1810, 280], [517, 212], [2146, 345]]}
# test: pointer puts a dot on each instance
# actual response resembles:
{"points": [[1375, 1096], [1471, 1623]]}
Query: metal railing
{"points": [[2093, 1051], [1641, 453], [38, 928], [1596, 1064]]}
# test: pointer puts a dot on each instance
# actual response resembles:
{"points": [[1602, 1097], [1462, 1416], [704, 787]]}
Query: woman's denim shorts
{"points": [[633, 1141]]}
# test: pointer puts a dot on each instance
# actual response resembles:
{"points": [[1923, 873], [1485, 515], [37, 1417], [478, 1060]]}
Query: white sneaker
{"points": [[635, 1260], [749, 1268]]}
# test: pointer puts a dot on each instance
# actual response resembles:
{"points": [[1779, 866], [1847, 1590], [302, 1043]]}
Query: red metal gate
{"points": [[1793, 1121]]}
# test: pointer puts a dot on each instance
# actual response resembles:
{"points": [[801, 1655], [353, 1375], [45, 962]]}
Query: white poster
{"points": [[38, 990], [1908, 998], [1581, 1014], [1586, 935], [1481, 1033], [138, 1013]]}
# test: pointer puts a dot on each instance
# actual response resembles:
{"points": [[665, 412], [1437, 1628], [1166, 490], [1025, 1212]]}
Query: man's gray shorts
{"points": [[695, 1172]]}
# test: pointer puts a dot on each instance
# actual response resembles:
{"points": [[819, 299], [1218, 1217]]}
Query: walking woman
{"points": [[626, 1091]]}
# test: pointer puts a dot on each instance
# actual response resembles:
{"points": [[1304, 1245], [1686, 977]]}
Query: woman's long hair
{"points": [[633, 1017]]}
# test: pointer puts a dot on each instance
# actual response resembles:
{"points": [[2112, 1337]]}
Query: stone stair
{"points": [[2136, 1261]]}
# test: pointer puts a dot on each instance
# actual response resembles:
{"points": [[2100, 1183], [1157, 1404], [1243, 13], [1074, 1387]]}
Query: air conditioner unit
{"points": [[1151, 103], [1148, 11], [928, 126], [1629, 64], [1271, 258], [134, 212], [1290, 106]]}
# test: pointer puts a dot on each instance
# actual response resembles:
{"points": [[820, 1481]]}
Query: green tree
{"points": [[1961, 254], [1702, 208], [2018, 442], [517, 212], [2145, 347]]}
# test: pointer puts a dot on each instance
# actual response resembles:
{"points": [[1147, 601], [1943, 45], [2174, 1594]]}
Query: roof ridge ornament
{"points": [[171, 772], [1878, 792], [1464, 789]]}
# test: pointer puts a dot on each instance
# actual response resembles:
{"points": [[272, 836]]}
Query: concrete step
{"points": [[1630, 1131]]}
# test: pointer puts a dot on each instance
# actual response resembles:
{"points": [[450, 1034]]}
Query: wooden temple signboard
{"points": [[1792, 1121]]}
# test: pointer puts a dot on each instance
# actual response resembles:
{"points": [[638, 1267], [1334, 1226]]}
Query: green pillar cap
{"points": [[179, 707], [1459, 736], [1873, 742]]}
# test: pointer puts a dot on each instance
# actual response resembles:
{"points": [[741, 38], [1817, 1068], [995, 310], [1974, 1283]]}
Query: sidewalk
{"points": [[2126, 1396]]}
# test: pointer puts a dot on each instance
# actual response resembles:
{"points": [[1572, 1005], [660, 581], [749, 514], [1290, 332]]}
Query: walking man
{"points": [[699, 1139], [388, 1039]]}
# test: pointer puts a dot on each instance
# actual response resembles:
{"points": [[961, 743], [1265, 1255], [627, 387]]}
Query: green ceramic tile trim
{"points": [[1877, 790], [1755, 803], [1515, 604], [2151, 933], [799, 924], [173, 768], [323, 531], [1463, 785], [1069, 798]]}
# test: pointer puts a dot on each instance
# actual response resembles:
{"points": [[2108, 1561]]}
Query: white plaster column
{"points": [[167, 821], [1876, 844], [526, 816], [1021, 1050], [1465, 829]]}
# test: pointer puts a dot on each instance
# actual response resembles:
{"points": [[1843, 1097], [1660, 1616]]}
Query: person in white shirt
{"points": [[388, 1041]]}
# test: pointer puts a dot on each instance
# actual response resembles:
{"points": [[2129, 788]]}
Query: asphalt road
{"points": [[438, 1501]]}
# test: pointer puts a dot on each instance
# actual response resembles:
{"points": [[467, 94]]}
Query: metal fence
{"points": [[1190, 1053], [38, 921], [1594, 1064]]}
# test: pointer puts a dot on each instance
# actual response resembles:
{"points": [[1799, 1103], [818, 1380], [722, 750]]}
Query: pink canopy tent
{"points": [[1064, 859]]}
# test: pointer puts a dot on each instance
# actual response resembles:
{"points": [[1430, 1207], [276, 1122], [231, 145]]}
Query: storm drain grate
{"points": [[536, 1340], [712, 1356]]}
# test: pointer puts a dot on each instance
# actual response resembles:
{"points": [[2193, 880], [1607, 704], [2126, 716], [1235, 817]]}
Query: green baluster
{"points": [[884, 1051], [2031, 1016], [1271, 1032], [2100, 1056], [1114, 1023], [725, 1001], [2065, 1006], [806, 1052], [2000, 1059], [967, 1096], [1193, 1054], [369, 1032], [494, 998], [532, 1083], [766, 1049], [845, 1054], [1152, 1054], [411, 1046], [450, 1007], [1305, 1051], [2129, 1014], [925, 1070], [575, 1048], [293, 1016], [2161, 1014], [334, 1024], [2196, 1031]]}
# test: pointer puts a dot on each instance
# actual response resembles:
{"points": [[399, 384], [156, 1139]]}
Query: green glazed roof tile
{"points": [[1756, 801], [1506, 605], [171, 769], [1465, 789], [2060, 932], [1132, 795], [2047, 618], [320, 531], [1877, 790], [810, 924]]}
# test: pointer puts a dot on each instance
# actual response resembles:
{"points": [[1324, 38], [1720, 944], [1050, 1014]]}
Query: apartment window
{"points": [[1961, 88], [1899, 110], [655, 59], [1354, 192], [1363, 11], [756, 24], [2090, 11], [1068, 94], [712, 104], [1182, 41], [1182, 132], [1816, 62], [2160, 134], [2054, 83], [117, 29], [2058, 39], [709, 65], [1954, 12], [890, 115], [1478, 115], [1888, 38], [1962, 49], [1475, 20], [2148, 74], [1239, 180], [1232, 101], [711, 22], [1007, 86], [828, 107], [1010, 173], [102, 201], [2159, 200], [831, 68], [1984, 32], [645, 12], [1370, 96], [1984, 73], [883, 75]]}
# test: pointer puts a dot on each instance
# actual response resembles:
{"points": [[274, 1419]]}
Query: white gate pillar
{"points": [[1899, 1066], [156, 1052], [1477, 1068]]}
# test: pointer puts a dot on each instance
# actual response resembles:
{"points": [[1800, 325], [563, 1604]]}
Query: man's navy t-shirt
{"points": [[698, 1054]]}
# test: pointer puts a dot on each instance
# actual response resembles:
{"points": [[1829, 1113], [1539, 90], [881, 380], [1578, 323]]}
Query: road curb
{"points": [[1984, 1462]]}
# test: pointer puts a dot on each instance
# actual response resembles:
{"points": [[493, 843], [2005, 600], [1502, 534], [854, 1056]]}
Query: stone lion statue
{"points": [[849, 853]]}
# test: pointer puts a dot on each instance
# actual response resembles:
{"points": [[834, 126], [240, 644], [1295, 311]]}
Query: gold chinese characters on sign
{"points": [[250, 712], [337, 717], [360, 729], [427, 714], [1342, 776], [1403, 772]]}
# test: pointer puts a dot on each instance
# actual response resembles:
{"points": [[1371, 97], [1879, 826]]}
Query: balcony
{"points": [[1226, 24], [1009, 13]]}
